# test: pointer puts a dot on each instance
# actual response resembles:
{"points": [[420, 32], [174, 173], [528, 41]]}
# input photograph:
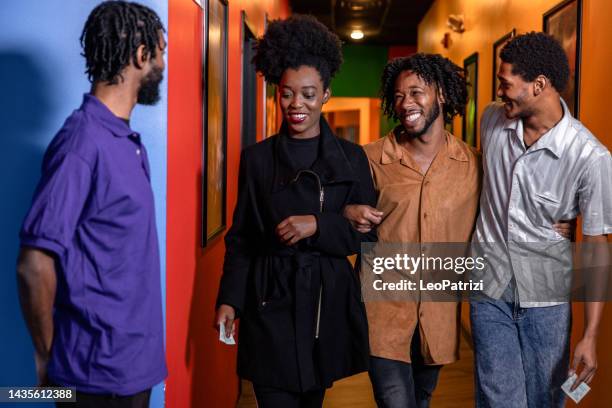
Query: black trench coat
{"points": [[286, 340]]}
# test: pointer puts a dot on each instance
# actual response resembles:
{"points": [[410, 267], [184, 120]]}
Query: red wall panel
{"points": [[201, 369]]}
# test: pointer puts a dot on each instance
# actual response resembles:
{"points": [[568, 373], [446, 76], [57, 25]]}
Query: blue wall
{"points": [[42, 80]]}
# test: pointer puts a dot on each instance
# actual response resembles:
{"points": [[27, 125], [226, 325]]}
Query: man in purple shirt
{"points": [[88, 271]]}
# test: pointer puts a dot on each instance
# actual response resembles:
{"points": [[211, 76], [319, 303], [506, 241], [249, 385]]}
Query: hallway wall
{"points": [[202, 370], [486, 21], [42, 80]]}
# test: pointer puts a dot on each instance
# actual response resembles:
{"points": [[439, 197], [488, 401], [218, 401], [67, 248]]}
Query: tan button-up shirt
{"points": [[439, 206]]}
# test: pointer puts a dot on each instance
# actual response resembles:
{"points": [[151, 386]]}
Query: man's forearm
{"points": [[597, 253], [37, 285], [592, 317]]}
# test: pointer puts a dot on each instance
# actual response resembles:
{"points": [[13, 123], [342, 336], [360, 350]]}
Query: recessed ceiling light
{"points": [[357, 34]]}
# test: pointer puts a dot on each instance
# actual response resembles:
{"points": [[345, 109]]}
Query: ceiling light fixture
{"points": [[357, 34]]}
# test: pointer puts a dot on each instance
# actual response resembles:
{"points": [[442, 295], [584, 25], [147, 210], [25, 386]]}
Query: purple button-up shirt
{"points": [[93, 209]]}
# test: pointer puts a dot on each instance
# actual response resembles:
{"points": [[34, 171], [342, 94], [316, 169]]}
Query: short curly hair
{"points": [[297, 41], [113, 32], [537, 53], [434, 69]]}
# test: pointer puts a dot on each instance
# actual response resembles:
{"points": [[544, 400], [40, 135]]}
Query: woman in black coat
{"points": [[286, 273]]}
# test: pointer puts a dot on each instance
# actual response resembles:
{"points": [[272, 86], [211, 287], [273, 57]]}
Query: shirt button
{"points": [[137, 151], [424, 215]]}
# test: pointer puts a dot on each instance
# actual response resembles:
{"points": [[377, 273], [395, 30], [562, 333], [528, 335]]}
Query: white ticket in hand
{"points": [[579, 392], [224, 339]]}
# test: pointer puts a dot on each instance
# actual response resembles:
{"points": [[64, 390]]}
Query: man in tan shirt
{"points": [[428, 185]]}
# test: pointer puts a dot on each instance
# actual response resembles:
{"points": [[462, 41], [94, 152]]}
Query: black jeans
{"points": [[269, 397], [83, 400], [398, 384]]}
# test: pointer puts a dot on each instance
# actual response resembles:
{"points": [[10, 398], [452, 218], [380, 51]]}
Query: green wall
{"points": [[360, 75]]}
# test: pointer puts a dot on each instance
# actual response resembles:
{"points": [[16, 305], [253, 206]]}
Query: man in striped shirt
{"points": [[540, 165]]}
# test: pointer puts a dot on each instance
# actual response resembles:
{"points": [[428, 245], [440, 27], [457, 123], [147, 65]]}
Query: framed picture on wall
{"points": [[270, 117], [249, 84], [271, 110], [470, 116], [497, 47], [563, 22], [214, 122]]}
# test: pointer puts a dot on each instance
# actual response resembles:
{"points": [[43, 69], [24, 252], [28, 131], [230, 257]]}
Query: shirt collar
{"points": [[392, 151], [96, 108], [553, 140]]}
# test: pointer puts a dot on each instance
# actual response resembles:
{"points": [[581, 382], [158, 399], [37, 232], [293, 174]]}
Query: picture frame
{"points": [[564, 23], [271, 109], [497, 47], [214, 123], [270, 102], [249, 101], [470, 115]]}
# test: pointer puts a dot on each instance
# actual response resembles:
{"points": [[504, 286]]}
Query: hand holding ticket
{"points": [[579, 392], [223, 338], [225, 320]]}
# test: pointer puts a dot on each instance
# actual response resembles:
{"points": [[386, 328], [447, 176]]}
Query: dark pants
{"points": [[398, 384], [83, 400], [269, 397]]}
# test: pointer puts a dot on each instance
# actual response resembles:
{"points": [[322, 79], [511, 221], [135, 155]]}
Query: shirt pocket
{"points": [[547, 209]]}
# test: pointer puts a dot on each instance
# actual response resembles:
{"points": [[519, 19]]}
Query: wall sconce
{"points": [[456, 23], [446, 40]]}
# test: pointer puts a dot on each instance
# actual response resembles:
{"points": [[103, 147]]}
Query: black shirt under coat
{"points": [[275, 288]]}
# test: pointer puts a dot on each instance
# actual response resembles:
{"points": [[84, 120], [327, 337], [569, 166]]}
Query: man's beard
{"points": [[148, 93], [519, 102], [429, 120]]}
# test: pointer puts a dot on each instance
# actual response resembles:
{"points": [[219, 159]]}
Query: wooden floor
{"points": [[455, 388]]}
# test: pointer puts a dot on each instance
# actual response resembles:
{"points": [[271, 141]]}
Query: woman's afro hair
{"points": [[297, 41], [535, 54], [435, 70]]}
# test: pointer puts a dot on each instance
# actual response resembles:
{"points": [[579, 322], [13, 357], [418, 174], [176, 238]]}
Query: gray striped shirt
{"points": [[565, 173]]}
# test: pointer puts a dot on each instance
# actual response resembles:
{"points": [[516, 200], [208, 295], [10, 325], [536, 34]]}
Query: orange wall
{"points": [[369, 115], [488, 20], [202, 371]]}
